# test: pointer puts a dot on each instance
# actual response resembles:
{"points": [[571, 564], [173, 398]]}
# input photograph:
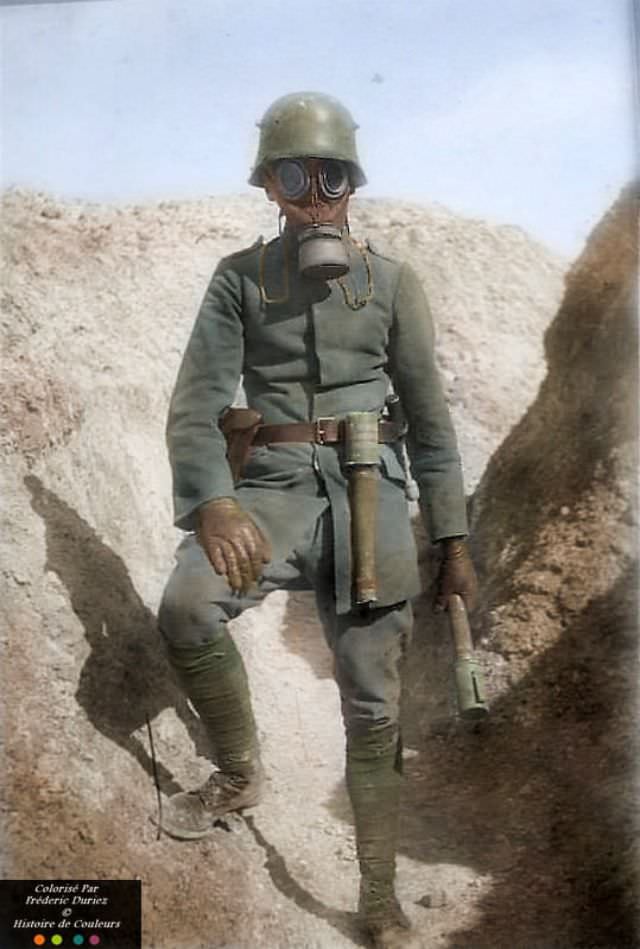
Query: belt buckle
{"points": [[319, 428]]}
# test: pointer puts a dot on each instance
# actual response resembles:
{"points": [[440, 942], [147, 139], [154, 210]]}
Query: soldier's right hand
{"points": [[236, 547]]}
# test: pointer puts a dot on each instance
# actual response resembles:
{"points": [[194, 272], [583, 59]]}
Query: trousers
{"points": [[368, 649]]}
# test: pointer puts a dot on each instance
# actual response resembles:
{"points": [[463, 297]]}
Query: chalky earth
{"points": [[517, 833]]}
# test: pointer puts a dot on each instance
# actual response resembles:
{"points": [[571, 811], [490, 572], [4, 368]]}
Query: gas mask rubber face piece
{"points": [[313, 194]]}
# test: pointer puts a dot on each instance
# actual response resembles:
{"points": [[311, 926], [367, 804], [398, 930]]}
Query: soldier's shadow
{"points": [[126, 676]]}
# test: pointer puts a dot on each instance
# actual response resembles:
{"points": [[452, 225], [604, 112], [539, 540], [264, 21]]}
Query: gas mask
{"points": [[313, 194]]}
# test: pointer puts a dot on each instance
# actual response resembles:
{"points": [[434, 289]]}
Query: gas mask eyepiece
{"points": [[334, 179], [294, 178]]}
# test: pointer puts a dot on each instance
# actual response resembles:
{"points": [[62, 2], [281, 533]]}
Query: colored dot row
{"points": [[78, 940]]}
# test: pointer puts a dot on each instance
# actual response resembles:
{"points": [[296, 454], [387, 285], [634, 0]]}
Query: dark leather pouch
{"points": [[239, 427]]}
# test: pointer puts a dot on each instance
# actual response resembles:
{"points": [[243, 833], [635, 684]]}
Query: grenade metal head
{"points": [[470, 690]]}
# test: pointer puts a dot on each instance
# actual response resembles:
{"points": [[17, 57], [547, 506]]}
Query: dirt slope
{"points": [[97, 305], [545, 796]]}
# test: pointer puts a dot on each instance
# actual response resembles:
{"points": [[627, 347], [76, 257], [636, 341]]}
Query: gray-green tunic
{"points": [[308, 356]]}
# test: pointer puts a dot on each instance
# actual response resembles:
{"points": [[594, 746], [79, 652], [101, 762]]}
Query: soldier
{"points": [[320, 328]]}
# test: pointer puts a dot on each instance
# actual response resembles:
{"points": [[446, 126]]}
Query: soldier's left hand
{"points": [[457, 575]]}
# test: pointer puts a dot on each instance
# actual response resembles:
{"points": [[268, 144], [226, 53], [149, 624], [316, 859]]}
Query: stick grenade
{"points": [[362, 458], [469, 679]]}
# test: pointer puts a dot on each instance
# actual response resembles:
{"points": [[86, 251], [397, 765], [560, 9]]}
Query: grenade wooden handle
{"points": [[361, 458], [363, 489]]}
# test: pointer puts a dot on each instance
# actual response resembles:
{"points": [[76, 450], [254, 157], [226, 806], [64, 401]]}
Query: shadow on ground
{"points": [[343, 922], [125, 677]]}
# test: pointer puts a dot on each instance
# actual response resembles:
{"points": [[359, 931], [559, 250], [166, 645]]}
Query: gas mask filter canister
{"points": [[322, 254]]}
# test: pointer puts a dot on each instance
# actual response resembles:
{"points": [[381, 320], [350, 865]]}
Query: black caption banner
{"points": [[90, 914]]}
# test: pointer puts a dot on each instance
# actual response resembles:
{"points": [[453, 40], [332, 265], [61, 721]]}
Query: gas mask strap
{"points": [[264, 296], [356, 303]]}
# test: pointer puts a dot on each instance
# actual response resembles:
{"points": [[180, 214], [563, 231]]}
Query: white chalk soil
{"points": [[98, 303]]}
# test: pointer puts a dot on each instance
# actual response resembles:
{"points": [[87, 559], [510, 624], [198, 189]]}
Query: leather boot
{"points": [[382, 917], [374, 762], [191, 815], [214, 678]]}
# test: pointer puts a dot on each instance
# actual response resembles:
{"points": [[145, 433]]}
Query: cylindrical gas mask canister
{"points": [[322, 252]]}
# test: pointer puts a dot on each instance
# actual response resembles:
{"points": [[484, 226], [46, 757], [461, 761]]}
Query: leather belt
{"points": [[322, 431]]}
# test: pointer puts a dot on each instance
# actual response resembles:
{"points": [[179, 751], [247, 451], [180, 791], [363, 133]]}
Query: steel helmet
{"points": [[307, 125]]}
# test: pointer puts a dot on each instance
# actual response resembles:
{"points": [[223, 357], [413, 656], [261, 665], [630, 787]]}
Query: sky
{"points": [[517, 111]]}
